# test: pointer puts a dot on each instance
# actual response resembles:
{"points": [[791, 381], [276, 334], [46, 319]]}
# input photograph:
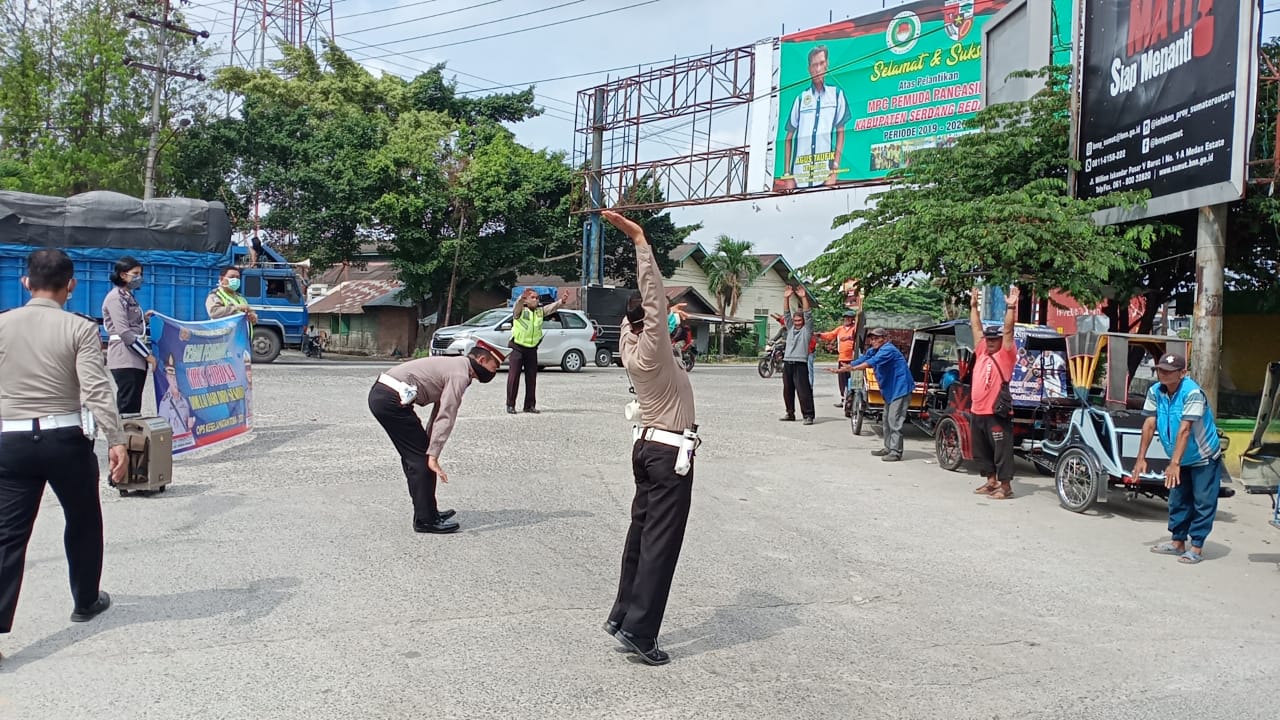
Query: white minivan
{"points": [[568, 337]]}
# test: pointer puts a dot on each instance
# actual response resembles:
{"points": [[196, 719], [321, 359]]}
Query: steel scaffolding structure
{"points": [[1265, 168], [258, 24], [618, 142]]}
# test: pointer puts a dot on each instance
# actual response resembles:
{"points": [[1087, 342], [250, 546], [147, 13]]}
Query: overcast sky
{"points": [[403, 38]]}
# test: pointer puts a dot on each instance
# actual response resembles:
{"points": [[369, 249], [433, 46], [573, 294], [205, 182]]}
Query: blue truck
{"points": [[183, 246]]}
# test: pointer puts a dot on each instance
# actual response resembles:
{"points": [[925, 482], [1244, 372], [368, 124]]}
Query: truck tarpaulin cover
{"points": [[112, 220]]}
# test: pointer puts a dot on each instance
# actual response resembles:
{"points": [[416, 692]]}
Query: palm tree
{"points": [[729, 269]]}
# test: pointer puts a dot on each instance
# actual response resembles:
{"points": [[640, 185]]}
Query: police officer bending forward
{"points": [[49, 359], [439, 381], [661, 460]]}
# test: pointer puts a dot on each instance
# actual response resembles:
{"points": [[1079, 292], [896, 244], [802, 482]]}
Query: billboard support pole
{"points": [[593, 253], [1206, 324]]}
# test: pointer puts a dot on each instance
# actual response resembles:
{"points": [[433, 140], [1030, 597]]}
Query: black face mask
{"points": [[483, 374]]}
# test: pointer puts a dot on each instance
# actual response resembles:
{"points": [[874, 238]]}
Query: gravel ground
{"points": [[279, 578]]}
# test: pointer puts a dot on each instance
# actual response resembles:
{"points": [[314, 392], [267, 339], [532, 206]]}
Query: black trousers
{"points": [[64, 459], [410, 440], [522, 360], [658, 516], [992, 439], [795, 381], [842, 381], [130, 382]]}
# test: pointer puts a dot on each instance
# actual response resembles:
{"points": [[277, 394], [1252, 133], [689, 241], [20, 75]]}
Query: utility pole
{"points": [[1206, 323], [593, 253], [161, 71]]}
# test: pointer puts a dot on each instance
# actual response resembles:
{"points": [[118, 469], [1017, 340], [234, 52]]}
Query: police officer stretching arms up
{"points": [[662, 467], [49, 359]]}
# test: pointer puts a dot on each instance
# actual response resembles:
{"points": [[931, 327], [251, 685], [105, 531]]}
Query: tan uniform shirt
{"points": [[217, 307], [123, 319], [49, 360], [440, 381], [662, 385]]}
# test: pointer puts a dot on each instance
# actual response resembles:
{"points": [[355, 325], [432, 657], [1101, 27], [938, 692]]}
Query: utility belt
{"points": [[406, 391], [83, 420], [686, 443]]}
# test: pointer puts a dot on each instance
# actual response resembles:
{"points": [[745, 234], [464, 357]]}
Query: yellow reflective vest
{"points": [[526, 330]]}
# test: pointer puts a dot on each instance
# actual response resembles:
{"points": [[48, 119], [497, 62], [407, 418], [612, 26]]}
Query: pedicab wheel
{"points": [[765, 368], [1077, 478], [856, 406], [946, 444]]}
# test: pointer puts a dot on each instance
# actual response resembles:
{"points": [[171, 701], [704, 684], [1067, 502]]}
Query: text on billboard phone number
{"points": [[1181, 160]]}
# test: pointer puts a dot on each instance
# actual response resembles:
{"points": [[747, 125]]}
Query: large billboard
{"points": [[1165, 101], [855, 97]]}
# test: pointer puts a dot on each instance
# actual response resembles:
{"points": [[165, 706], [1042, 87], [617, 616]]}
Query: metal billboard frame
{"points": [[1039, 27]]}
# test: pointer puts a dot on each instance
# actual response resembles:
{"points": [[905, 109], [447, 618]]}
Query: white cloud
{"points": [[797, 226]]}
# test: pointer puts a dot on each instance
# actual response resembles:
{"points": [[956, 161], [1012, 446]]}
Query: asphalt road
{"points": [[279, 578]]}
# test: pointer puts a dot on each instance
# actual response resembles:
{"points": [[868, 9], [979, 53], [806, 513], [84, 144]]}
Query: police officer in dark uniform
{"points": [[50, 359]]}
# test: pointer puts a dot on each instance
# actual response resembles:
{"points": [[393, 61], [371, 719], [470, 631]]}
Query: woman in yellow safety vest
{"points": [[526, 335], [225, 299]]}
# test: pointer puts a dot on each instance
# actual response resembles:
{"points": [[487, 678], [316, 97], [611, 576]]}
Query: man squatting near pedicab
{"points": [[1178, 411]]}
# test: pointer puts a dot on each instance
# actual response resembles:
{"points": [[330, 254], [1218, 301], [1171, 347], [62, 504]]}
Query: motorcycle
{"points": [[687, 357], [772, 361], [311, 345]]}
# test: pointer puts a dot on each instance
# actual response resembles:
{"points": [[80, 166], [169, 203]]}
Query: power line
{"points": [[428, 17], [386, 9], [588, 73], [529, 29], [464, 27]]}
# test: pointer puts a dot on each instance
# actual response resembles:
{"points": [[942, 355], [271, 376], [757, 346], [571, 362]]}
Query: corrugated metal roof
{"points": [[390, 299], [350, 298], [373, 270]]}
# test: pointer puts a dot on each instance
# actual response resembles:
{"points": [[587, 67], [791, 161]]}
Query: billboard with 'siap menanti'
{"points": [[1165, 100]]}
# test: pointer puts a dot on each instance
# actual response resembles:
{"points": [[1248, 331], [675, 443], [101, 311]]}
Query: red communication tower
{"points": [[258, 25]]}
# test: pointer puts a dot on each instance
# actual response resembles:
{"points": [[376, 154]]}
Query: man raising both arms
{"points": [[664, 482]]}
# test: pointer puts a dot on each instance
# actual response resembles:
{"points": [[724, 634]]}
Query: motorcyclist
{"points": [[677, 327]]}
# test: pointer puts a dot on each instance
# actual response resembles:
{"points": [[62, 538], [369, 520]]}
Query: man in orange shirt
{"points": [[846, 337], [991, 427]]}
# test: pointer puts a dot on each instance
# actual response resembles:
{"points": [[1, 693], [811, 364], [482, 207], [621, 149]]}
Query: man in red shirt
{"points": [[992, 434]]}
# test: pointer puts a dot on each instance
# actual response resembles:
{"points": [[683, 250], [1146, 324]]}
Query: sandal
{"points": [[1167, 548], [985, 489], [1190, 557], [1000, 494]]}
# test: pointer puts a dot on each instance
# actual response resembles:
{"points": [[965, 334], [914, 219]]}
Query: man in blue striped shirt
{"points": [[1178, 411]]}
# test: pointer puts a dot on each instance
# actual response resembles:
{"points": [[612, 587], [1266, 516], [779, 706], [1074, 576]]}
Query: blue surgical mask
{"points": [[233, 284]]}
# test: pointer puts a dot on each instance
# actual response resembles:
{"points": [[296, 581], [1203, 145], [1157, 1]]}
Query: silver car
{"points": [[568, 337]]}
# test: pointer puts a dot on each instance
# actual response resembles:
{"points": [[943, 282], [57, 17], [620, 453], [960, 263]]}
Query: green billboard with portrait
{"points": [[855, 97]]}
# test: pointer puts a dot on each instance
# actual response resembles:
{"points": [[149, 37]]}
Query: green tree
{"points": [[730, 267], [993, 205], [71, 111], [345, 159]]}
